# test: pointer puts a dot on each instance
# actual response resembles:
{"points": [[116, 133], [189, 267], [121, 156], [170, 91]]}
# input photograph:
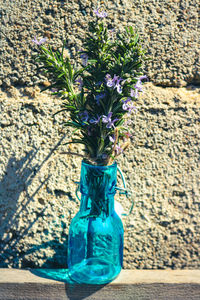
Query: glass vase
{"points": [[95, 245]]}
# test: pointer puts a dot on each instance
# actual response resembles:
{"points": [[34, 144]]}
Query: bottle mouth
{"points": [[114, 165]]}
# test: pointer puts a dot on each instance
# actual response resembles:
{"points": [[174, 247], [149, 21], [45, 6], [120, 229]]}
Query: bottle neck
{"points": [[97, 186]]}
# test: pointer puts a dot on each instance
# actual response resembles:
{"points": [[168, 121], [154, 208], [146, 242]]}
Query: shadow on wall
{"points": [[14, 211]]}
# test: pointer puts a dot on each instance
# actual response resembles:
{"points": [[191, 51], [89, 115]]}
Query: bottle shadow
{"points": [[73, 290], [14, 201]]}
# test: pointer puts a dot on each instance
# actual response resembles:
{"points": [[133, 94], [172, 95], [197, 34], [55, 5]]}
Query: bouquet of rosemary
{"points": [[101, 90]]}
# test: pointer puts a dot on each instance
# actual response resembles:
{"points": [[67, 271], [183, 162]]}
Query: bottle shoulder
{"points": [[111, 223]]}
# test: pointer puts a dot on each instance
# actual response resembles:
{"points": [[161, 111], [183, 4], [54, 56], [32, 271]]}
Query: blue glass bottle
{"points": [[95, 245]]}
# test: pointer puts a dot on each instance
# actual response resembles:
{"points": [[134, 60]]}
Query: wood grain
{"points": [[131, 284]]}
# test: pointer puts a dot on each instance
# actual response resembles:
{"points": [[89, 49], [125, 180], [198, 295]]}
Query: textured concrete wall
{"points": [[37, 193], [169, 28]]}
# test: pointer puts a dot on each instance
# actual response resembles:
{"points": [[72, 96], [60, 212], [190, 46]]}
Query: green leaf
{"points": [[136, 39], [131, 30], [73, 124], [59, 112], [61, 74], [101, 145], [92, 61], [119, 123], [69, 106], [75, 141], [127, 30], [63, 47]]}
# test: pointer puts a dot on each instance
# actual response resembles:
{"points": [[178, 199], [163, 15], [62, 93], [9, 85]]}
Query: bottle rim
{"points": [[114, 165]]}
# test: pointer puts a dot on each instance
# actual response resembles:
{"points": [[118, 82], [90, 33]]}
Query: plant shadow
{"points": [[16, 221], [14, 201]]}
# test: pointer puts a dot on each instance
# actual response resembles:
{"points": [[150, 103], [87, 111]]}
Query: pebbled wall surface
{"points": [[161, 167], [170, 29], [37, 190]]}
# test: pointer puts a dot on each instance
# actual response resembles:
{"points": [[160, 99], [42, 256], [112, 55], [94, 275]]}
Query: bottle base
{"points": [[94, 271]]}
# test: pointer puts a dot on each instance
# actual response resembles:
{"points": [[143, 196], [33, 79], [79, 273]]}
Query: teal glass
{"points": [[95, 245]]}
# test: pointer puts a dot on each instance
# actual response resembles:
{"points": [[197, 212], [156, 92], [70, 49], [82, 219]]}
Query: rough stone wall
{"points": [[169, 29], [37, 192]]}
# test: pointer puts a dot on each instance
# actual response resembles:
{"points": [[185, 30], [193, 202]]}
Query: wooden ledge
{"points": [[130, 284]]}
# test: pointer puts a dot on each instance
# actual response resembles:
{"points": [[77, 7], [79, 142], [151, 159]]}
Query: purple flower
{"points": [[142, 77], [128, 105], [80, 81], [84, 58], [118, 149], [138, 86], [127, 100], [109, 80], [95, 120], [40, 42], [110, 83], [100, 14], [100, 96], [54, 90], [119, 88], [115, 82], [134, 93], [108, 120], [112, 138], [84, 116], [98, 83], [108, 76], [116, 79]]}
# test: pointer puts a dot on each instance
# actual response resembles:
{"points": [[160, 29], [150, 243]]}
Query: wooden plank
{"points": [[125, 277], [130, 284]]}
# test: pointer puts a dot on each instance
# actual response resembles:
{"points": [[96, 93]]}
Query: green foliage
{"points": [[98, 88]]}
